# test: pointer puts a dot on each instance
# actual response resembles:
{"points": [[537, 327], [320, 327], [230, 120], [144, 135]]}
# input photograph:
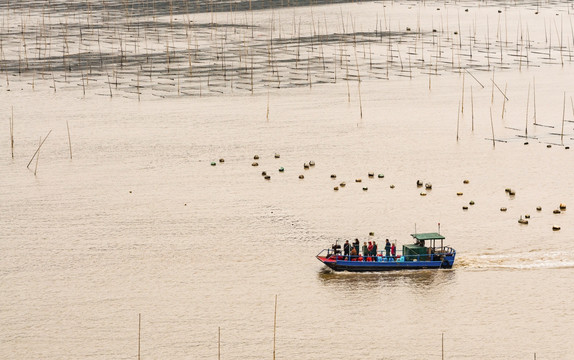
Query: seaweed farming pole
{"points": [[469, 73], [527, 104], [563, 117], [274, 326], [12, 132], [492, 128], [534, 99], [38, 150], [69, 139], [139, 334]]}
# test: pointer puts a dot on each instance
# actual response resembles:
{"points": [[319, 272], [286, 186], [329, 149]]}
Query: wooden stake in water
{"points": [[42, 143], [442, 345], [563, 117], [492, 128], [69, 138], [534, 99], [457, 120], [139, 334], [38, 157], [274, 326], [218, 343], [527, 103], [472, 107], [12, 132]]}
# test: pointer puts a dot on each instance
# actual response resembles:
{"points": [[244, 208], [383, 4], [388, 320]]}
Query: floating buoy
{"points": [[456, 32], [549, 146], [254, 164], [465, 208], [471, 202], [567, 147], [433, 30], [281, 169], [503, 209], [381, 176], [256, 157], [213, 163], [428, 186], [221, 160], [392, 186], [342, 184], [539, 208], [527, 216], [511, 193], [267, 177], [305, 166], [311, 163], [499, 11], [522, 221], [371, 174], [408, 29], [526, 143], [555, 228], [130, 191], [277, 156], [263, 173], [301, 177], [371, 234], [336, 188], [557, 211], [423, 194], [458, 194], [358, 180], [507, 190], [562, 206], [333, 176], [419, 183], [465, 181], [365, 188]]}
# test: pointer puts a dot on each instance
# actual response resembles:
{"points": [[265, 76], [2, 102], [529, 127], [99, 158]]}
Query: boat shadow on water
{"points": [[417, 278]]}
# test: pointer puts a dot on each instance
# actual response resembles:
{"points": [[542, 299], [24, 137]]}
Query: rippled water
{"points": [[138, 221]]}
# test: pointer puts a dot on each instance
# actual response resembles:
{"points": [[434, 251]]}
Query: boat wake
{"points": [[521, 261]]}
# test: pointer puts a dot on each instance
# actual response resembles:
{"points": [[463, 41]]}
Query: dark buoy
{"points": [[502, 209], [333, 176], [365, 188], [254, 164], [358, 180], [256, 157], [267, 177], [281, 169], [336, 188], [342, 184], [305, 166], [465, 208], [213, 163], [221, 160], [419, 183], [380, 176], [371, 174], [526, 143], [263, 173], [277, 156], [392, 186], [301, 177], [465, 181], [539, 208], [471, 202], [311, 163], [458, 194], [371, 234]]}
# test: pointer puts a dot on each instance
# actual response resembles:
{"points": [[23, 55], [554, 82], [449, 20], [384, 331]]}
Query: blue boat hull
{"points": [[364, 266]]}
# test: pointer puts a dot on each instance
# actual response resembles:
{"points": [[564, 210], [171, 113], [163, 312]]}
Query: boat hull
{"points": [[371, 266]]}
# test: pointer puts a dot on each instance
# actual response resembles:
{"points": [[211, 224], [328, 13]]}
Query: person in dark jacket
{"points": [[365, 251], [346, 248], [356, 245], [387, 249], [374, 252]]}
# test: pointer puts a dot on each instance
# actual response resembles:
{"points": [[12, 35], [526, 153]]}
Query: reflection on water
{"points": [[417, 278]]}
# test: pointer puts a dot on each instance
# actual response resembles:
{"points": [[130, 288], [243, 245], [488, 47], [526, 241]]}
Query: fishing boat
{"points": [[427, 252]]}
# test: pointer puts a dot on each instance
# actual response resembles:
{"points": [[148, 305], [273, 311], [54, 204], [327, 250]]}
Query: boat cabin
{"points": [[424, 248]]}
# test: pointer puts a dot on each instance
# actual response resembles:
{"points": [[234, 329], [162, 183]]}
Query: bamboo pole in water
{"points": [[38, 157], [534, 99], [563, 117], [139, 334], [218, 343], [274, 326], [472, 108], [69, 138], [527, 104], [12, 132], [492, 128], [42, 143]]}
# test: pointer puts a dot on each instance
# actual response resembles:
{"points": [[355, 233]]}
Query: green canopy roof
{"points": [[428, 236]]}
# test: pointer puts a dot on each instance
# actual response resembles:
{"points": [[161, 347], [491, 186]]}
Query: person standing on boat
{"points": [[374, 252], [365, 251], [393, 250], [346, 248], [387, 249], [370, 249], [356, 245]]}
